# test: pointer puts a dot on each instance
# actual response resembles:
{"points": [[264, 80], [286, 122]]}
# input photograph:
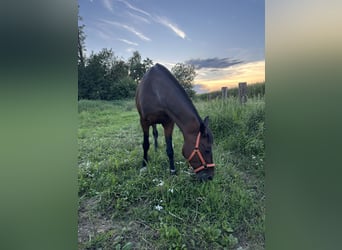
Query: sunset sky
{"points": [[223, 39]]}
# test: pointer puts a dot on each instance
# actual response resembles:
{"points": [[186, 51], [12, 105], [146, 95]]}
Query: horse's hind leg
{"points": [[168, 129], [155, 135]]}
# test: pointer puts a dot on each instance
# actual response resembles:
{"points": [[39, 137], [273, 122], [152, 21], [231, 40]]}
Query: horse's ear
{"points": [[204, 125]]}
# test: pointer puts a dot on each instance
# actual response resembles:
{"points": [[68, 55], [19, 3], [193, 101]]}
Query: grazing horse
{"points": [[160, 99]]}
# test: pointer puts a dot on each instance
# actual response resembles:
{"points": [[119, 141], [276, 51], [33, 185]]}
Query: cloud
{"points": [[164, 21], [103, 35], [130, 50], [128, 28], [130, 6], [161, 20], [108, 5], [200, 88], [128, 42], [209, 80], [139, 18], [213, 62]]}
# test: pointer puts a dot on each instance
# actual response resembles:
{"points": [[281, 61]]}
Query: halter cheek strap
{"points": [[200, 156]]}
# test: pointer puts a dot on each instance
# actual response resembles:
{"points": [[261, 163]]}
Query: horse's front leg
{"points": [[146, 143], [168, 128]]}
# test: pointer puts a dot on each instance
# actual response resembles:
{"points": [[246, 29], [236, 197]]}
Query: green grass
{"points": [[118, 204]]}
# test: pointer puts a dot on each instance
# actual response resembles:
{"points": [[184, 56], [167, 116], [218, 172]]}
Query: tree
{"points": [[81, 40], [135, 66], [82, 76], [95, 82], [137, 69], [147, 64], [121, 84], [104, 76], [185, 74]]}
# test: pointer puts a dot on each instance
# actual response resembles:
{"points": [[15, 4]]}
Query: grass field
{"points": [[121, 208]]}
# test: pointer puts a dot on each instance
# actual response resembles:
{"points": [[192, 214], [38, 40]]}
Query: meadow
{"points": [[123, 208]]}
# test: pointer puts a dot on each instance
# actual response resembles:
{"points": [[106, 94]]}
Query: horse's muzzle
{"points": [[205, 175]]}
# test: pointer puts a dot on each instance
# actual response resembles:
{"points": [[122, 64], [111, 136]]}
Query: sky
{"points": [[223, 39]]}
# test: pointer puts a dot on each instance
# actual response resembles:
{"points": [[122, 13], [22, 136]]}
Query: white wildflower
{"points": [[161, 183], [158, 207], [171, 190]]}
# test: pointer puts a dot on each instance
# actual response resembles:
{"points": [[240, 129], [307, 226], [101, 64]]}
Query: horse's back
{"points": [[154, 81], [153, 91]]}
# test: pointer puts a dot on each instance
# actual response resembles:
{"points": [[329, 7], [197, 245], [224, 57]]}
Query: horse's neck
{"points": [[184, 116], [189, 123]]}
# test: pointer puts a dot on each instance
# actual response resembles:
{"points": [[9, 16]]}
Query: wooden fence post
{"points": [[243, 92], [224, 93]]}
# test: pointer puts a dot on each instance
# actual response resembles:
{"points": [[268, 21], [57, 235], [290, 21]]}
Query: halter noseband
{"points": [[200, 156]]}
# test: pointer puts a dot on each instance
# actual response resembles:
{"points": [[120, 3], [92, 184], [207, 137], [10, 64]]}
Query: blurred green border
{"points": [[38, 107], [303, 124], [38, 104]]}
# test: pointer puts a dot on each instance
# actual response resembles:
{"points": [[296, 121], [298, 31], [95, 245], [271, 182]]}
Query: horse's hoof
{"points": [[143, 169], [173, 172]]}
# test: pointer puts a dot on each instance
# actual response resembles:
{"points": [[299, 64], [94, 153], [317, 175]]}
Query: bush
{"points": [[125, 88]]}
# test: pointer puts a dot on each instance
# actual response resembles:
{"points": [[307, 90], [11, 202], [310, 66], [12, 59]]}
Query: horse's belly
{"points": [[157, 117]]}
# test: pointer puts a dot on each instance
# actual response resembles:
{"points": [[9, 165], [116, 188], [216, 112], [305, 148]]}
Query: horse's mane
{"points": [[177, 85]]}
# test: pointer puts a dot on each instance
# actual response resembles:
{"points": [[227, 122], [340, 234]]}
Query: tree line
{"points": [[104, 76]]}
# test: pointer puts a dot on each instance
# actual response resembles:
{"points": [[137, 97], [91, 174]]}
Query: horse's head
{"points": [[199, 154]]}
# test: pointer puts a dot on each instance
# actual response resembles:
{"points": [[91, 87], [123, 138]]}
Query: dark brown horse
{"points": [[160, 99]]}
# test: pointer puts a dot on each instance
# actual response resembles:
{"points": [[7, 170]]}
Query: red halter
{"points": [[200, 156]]}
